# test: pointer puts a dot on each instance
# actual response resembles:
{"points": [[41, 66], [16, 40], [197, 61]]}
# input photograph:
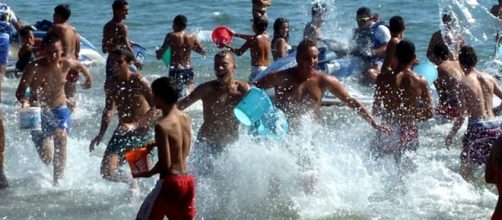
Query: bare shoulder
{"points": [[242, 86]]}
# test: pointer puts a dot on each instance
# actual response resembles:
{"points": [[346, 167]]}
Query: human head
{"points": [[164, 92], [319, 12], [224, 65], [364, 18], [180, 23], [405, 52], [396, 24], [120, 9], [467, 57], [121, 59], [61, 13], [441, 52], [307, 55], [281, 28], [26, 34], [260, 25], [52, 47]]}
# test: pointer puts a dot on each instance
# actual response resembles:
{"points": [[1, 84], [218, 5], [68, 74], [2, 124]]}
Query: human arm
{"points": [[106, 118], [427, 110], [163, 154], [243, 36], [430, 48], [377, 98], [197, 94], [163, 48], [282, 48], [197, 47], [270, 80], [241, 50], [389, 55], [24, 83], [492, 162], [457, 121]]}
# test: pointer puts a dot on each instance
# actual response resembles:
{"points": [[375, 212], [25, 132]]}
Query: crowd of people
{"points": [[152, 116]]}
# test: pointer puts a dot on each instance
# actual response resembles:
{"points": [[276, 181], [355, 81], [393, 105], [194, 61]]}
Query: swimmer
{"points": [[29, 49], [312, 29], [279, 44], [396, 27]]}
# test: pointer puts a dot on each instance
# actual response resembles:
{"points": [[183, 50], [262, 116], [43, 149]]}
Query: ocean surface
{"points": [[257, 180]]}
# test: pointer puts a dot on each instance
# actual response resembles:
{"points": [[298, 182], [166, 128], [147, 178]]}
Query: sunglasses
{"points": [[363, 19]]}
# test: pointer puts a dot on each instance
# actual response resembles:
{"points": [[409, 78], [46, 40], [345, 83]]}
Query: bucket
{"points": [[166, 57], [221, 34], [138, 160], [273, 125], [30, 118], [252, 107], [427, 70]]}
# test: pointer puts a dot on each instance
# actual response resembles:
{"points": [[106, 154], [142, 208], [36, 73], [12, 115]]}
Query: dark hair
{"points": [[441, 51], [278, 23], [260, 24], [224, 53], [304, 46], [164, 88], [319, 8], [405, 51], [125, 52], [363, 11], [50, 39], [118, 4], [63, 10], [25, 30], [467, 57], [396, 24], [180, 21]]}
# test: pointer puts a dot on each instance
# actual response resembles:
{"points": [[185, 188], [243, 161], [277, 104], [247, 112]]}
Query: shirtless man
{"points": [[46, 77], [396, 27], [403, 100], [449, 76], [115, 34], [299, 90], [182, 43], [496, 10], [173, 135], [260, 8], [130, 95], [30, 48], [71, 44], [452, 38], [219, 98], [476, 92], [312, 29], [259, 44]]}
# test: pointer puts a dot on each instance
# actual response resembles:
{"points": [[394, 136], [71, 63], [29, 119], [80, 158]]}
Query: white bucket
{"points": [[30, 118]]}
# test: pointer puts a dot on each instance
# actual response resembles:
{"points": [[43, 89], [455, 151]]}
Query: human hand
{"points": [[87, 84], [96, 141], [138, 64], [25, 103]]}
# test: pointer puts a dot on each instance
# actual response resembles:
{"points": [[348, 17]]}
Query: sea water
{"points": [[326, 170]]}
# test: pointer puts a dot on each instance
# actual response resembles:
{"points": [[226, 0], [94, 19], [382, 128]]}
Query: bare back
{"points": [[386, 98], [182, 43], [476, 91], [114, 36], [260, 50], [416, 101], [449, 76]]}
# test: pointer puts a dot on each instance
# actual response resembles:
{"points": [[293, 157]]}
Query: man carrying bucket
{"points": [[219, 98], [181, 44], [299, 90], [130, 95], [46, 78]]}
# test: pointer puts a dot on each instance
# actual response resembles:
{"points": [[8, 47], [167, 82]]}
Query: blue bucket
{"points": [[252, 107], [427, 70]]}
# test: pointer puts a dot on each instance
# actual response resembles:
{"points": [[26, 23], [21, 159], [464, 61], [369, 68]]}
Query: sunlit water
{"points": [[257, 179]]}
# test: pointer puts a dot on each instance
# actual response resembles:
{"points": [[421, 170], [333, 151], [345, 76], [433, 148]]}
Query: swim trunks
{"points": [[4, 50], [497, 216], [72, 76], [255, 70], [204, 155], [121, 143], [173, 197], [478, 140], [58, 118], [401, 139], [448, 112]]}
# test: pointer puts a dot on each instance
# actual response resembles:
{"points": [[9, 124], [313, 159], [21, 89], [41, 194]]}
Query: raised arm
{"points": [[389, 55], [241, 50]]}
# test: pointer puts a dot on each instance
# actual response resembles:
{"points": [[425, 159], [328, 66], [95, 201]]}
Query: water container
{"points": [[222, 34], [30, 118], [138, 160], [427, 70], [252, 107], [273, 125], [166, 57]]}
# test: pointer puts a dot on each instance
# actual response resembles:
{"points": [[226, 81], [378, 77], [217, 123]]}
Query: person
{"points": [[115, 34], [260, 8], [71, 45], [449, 35], [493, 174], [312, 29], [279, 44], [29, 49], [45, 77], [130, 95], [396, 27], [259, 44], [8, 20], [182, 43], [449, 76], [496, 9], [403, 100], [299, 90], [371, 40], [219, 98], [476, 92], [174, 195]]}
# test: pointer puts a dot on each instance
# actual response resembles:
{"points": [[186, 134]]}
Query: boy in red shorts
{"points": [[174, 194]]}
